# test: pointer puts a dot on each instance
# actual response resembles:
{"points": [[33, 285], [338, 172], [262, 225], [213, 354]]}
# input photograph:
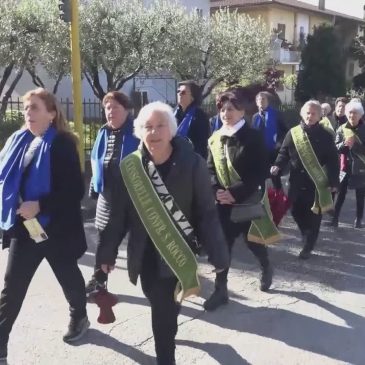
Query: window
{"points": [[281, 31]]}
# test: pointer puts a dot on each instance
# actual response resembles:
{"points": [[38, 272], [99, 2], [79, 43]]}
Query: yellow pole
{"points": [[76, 79]]}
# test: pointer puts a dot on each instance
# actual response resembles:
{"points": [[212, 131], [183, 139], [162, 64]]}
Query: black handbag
{"points": [[251, 209]]}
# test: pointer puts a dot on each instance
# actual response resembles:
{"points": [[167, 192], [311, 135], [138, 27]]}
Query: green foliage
{"points": [[11, 122], [226, 47], [322, 72]]}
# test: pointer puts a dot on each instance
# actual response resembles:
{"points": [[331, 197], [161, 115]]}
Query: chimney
{"points": [[322, 4]]}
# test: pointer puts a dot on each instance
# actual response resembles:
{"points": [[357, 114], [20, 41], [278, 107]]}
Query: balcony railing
{"points": [[283, 55]]}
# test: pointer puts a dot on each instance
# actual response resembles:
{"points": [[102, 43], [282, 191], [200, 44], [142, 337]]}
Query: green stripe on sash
{"points": [[348, 133], [323, 198], [262, 230], [326, 123], [160, 227]]}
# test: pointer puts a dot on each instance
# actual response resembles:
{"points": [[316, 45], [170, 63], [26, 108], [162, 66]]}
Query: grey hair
{"points": [[354, 105], [311, 103], [146, 112], [326, 107]]}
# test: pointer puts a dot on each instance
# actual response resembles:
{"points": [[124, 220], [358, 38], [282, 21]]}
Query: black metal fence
{"points": [[93, 117]]}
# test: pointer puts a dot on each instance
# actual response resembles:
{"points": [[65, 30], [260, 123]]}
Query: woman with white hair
{"points": [[169, 214], [314, 171], [350, 142]]}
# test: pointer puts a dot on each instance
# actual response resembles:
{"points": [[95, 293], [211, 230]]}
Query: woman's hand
{"points": [[107, 268], [274, 170], [29, 209], [225, 197], [349, 142]]}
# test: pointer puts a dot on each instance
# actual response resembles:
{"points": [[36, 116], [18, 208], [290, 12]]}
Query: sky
{"points": [[349, 7]]}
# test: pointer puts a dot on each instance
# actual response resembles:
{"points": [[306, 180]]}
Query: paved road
{"points": [[314, 314]]}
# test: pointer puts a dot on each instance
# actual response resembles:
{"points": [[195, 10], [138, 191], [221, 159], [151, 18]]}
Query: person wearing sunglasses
{"points": [[192, 121]]}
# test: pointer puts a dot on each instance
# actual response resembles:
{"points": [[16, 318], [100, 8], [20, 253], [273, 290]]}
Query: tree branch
{"points": [[7, 72]]}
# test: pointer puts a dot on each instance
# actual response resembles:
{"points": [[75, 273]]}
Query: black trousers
{"points": [[360, 198], [23, 261], [112, 235], [164, 310], [232, 231], [308, 222]]}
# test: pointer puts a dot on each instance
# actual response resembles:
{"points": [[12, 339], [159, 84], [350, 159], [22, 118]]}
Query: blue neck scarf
{"points": [[129, 145], [184, 126], [216, 123], [269, 127], [37, 181]]}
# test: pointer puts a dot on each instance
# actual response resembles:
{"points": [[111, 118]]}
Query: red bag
{"points": [[105, 301], [279, 204]]}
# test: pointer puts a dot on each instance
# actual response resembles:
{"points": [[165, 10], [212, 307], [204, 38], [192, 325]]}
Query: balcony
{"points": [[285, 56]]}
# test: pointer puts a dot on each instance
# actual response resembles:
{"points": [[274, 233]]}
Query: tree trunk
{"points": [[7, 95], [6, 75]]}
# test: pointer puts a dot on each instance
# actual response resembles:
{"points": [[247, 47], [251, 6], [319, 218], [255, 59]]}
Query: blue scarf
{"points": [[184, 126], [129, 145], [38, 176], [216, 123], [270, 127]]}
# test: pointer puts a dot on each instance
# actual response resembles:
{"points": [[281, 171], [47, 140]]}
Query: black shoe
{"points": [[305, 254], [76, 329], [218, 298], [358, 223], [3, 352], [93, 286], [266, 278]]}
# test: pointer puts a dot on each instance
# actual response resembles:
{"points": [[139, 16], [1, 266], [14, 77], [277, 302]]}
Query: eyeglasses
{"points": [[181, 92]]}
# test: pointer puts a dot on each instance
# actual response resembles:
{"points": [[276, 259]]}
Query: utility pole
{"points": [[69, 13]]}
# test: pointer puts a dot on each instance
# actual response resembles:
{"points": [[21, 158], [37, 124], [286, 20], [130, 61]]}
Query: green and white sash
{"points": [[323, 198], [326, 123], [348, 133], [167, 230], [262, 230]]}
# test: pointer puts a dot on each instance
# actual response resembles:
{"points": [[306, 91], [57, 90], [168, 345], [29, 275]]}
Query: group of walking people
{"points": [[173, 184]]}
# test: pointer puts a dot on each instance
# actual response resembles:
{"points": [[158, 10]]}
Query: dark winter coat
{"points": [[63, 204], [199, 130], [187, 181], [247, 152], [325, 150], [355, 167]]}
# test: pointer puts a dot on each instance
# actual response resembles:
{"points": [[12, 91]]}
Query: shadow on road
{"points": [[222, 353], [98, 338]]}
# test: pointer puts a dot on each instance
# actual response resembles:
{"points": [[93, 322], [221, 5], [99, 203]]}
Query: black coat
{"points": [[199, 131], [187, 181], [325, 150], [63, 204], [353, 163], [247, 152]]}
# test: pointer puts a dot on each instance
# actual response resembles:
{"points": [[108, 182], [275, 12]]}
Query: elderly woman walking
{"points": [[192, 121], [350, 142], [314, 169], [168, 216], [40, 211], [238, 165], [114, 141]]}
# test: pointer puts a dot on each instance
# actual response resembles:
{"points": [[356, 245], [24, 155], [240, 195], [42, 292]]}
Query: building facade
{"points": [[290, 21]]}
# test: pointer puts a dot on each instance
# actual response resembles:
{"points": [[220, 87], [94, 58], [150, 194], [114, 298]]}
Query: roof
{"points": [[291, 3]]}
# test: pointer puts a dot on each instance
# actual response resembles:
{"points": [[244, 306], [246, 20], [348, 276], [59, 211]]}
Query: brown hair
{"points": [[233, 97], [194, 89], [341, 99], [119, 97], [52, 105]]}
